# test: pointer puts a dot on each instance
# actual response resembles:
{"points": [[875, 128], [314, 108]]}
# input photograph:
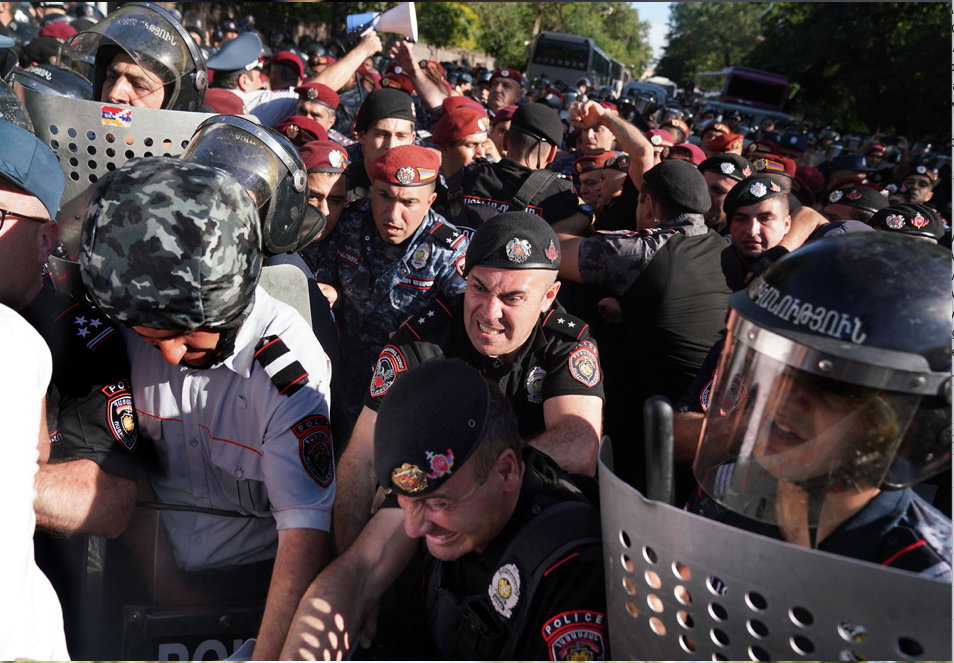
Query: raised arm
{"points": [[630, 139], [334, 606], [430, 93], [337, 75]]}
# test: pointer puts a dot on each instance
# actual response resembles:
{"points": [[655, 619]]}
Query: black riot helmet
{"points": [[270, 169], [50, 79], [836, 378], [157, 42]]}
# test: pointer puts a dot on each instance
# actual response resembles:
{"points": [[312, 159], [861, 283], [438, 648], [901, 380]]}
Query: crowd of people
{"points": [[496, 274]]}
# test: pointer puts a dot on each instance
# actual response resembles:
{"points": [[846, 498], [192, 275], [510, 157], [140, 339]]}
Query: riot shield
{"points": [[139, 604], [92, 138], [679, 586]]}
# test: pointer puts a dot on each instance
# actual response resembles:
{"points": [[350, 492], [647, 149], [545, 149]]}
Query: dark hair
{"points": [[500, 434], [668, 209], [227, 81], [523, 146]]}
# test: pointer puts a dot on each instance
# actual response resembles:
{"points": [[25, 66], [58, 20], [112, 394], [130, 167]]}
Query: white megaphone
{"points": [[400, 20]]}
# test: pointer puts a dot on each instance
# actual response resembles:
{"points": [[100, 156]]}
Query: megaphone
{"points": [[400, 20]]}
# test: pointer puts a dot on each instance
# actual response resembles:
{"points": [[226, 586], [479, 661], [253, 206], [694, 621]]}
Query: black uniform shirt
{"points": [[495, 184], [558, 359]]}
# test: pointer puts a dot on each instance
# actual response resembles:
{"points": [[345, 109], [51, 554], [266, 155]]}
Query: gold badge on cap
{"points": [[405, 175], [409, 478]]}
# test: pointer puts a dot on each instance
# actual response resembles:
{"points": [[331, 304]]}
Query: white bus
{"points": [[556, 56]]}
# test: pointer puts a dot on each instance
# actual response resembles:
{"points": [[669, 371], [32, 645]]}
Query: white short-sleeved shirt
{"points": [[269, 106], [31, 619], [227, 439]]}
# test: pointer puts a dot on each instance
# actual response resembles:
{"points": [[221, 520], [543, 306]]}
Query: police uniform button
{"points": [[193, 442], [239, 473], [197, 540], [535, 509], [199, 498], [403, 270], [367, 238]]}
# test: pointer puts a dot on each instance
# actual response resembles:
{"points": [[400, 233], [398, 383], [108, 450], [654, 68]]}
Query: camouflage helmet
{"points": [[171, 245]]}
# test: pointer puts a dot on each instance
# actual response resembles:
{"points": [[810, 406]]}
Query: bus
{"points": [[555, 56], [743, 86]]}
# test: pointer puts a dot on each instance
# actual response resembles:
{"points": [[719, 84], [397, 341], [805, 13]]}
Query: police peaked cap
{"points": [[429, 425], [538, 121], [514, 240], [681, 183]]}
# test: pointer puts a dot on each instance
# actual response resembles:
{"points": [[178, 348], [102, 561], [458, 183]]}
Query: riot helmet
{"points": [[835, 382], [157, 42], [172, 245], [50, 79], [270, 169]]}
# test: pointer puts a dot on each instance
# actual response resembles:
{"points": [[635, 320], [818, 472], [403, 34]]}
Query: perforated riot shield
{"points": [[92, 139], [679, 586]]}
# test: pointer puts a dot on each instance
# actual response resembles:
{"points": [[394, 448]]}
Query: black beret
{"points": [[383, 103], [862, 197], [681, 183], [918, 220], [539, 121], [429, 425], [728, 165], [514, 240], [752, 191]]}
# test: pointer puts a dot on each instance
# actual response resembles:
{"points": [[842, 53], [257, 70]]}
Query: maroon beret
{"points": [[505, 114], [59, 30], [678, 124], [452, 103], [512, 74], [318, 93], [289, 59], [459, 123], [406, 165], [398, 82], [726, 142], [323, 156], [370, 75], [589, 162], [688, 152], [224, 102], [660, 138], [300, 130]]}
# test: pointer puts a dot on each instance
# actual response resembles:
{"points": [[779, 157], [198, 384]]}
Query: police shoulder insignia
{"points": [[584, 365], [422, 322], [504, 590], [578, 635], [461, 262], [121, 415], [448, 234], [287, 376], [390, 363], [535, 384], [315, 448], [565, 323]]}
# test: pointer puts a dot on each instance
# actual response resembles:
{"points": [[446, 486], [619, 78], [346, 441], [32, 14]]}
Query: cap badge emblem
{"points": [[441, 464], [312, 93], [775, 187], [854, 195], [398, 70], [919, 221], [921, 170], [292, 131], [758, 190], [483, 124], [746, 171], [336, 158], [835, 196], [656, 140], [727, 168], [552, 253], [405, 175], [793, 140], [409, 478], [504, 73], [518, 250], [760, 164], [895, 222]]}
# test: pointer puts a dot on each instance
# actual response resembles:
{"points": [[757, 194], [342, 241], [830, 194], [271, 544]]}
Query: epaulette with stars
{"points": [[433, 316], [563, 322], [448, 234]]}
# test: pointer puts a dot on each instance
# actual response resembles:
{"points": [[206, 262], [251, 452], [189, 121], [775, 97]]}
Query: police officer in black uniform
{"points": [[87, 482], [509, 548], [519, 182], [509, 326]]}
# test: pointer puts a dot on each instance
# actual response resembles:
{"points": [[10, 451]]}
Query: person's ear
{"points": [[46, 240]]}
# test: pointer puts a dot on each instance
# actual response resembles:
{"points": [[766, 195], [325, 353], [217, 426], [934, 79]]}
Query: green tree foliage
{"points": [[505, 28], [708, 36], [871, 66]]}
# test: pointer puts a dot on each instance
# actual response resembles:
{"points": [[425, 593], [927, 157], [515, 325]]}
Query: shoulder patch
{"points": [[433, 316], [121, 415], [459, 265], [448, 234], [315, 448], [563, 322], [285, 372], [390, 362], [578, 635], [584, 365]]}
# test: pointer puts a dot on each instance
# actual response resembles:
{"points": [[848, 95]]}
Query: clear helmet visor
{"points": [[791, 448], [147, 36], [240, 153]]}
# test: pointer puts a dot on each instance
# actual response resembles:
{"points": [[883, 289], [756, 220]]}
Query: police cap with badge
{"points": [[394, 166], [861, 197], [514, 240], [917, 220], [727, 165], [454, 400], [752, 191], [27, 162], [319, 94]]}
